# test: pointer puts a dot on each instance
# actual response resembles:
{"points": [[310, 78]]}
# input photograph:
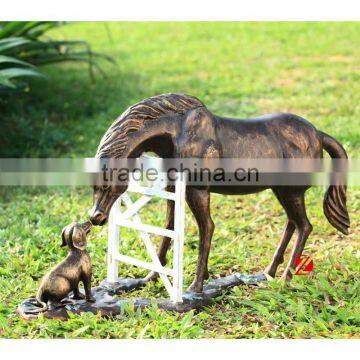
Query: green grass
{"points": [[238, 70]]}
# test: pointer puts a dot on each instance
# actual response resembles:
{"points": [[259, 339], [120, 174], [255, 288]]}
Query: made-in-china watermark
{"points": [[194, 175], [200, 172]]}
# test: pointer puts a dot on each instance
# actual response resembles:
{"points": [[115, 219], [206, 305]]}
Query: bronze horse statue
{"points": [[180, 126]]}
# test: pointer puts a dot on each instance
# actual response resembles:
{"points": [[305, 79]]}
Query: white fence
{"points": [[130, 218]]}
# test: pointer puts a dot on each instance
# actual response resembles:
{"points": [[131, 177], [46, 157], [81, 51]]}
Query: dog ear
{"points": [[63, 234], [66, 234]]}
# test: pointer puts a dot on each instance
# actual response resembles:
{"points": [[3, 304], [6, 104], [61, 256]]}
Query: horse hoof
{"points": [[78, 297], [152, 276], [286, 277], [268, 276], [195, 288], [268, 272]]}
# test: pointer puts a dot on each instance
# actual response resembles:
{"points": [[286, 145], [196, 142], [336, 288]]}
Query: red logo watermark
{"points": [[303, 265]]}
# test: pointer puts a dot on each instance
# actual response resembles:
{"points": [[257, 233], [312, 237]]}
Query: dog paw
{"points": [[78, 297]]}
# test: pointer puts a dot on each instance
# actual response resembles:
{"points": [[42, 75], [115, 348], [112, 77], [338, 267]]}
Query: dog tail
{"points": [[41, 306], [335, 208]]}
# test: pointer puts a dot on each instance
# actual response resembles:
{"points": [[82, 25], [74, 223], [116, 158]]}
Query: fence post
{"points": [[113, 244], [180, 189]]}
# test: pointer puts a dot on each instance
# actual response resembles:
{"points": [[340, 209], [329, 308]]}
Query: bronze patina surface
{"points": [[180, 126], [106, 303], [64, 278]]}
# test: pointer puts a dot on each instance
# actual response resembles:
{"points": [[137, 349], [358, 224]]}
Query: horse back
{"points": [[271, 136]]}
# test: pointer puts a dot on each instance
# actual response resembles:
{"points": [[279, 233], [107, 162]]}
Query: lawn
{"points": [[237, 70]]}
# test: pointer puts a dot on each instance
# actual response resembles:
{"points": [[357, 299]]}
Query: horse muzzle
{"points": [[97, 216]]}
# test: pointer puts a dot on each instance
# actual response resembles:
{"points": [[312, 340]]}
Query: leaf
{"points": [[17, 28], [80, 330], [12, 60], [23, 43], [6, 75], [11, 43], [6, 83], [18, 72], [41, 29]]}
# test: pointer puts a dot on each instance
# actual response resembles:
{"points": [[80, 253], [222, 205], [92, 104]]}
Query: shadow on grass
{"points": [[64, 114]]}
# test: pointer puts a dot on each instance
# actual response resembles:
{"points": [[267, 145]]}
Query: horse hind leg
{"points": [[278, 257], [294, 204]]}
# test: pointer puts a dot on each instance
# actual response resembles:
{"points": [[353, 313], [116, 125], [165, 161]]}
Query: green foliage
{"points": [[24, 46], [238, 70]]}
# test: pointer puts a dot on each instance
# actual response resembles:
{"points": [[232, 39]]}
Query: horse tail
{"points": [[334, 204]]}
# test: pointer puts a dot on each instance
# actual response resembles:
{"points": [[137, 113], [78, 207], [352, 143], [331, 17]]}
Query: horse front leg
{"points": [[199, 203], [166, 241]]}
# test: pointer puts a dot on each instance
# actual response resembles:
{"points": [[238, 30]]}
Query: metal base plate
{"points": [[107, 304]]}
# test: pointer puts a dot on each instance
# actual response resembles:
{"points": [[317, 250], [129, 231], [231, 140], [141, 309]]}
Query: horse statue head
{"points": [[150, 125]]}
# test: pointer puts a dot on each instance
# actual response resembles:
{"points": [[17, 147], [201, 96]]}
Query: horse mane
{"points": [[115, 139]]}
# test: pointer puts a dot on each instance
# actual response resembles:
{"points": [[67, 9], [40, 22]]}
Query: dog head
{"points": [[74, 235]]}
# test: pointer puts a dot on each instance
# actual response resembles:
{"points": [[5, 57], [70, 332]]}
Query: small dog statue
{"points": [[76, 267]]}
